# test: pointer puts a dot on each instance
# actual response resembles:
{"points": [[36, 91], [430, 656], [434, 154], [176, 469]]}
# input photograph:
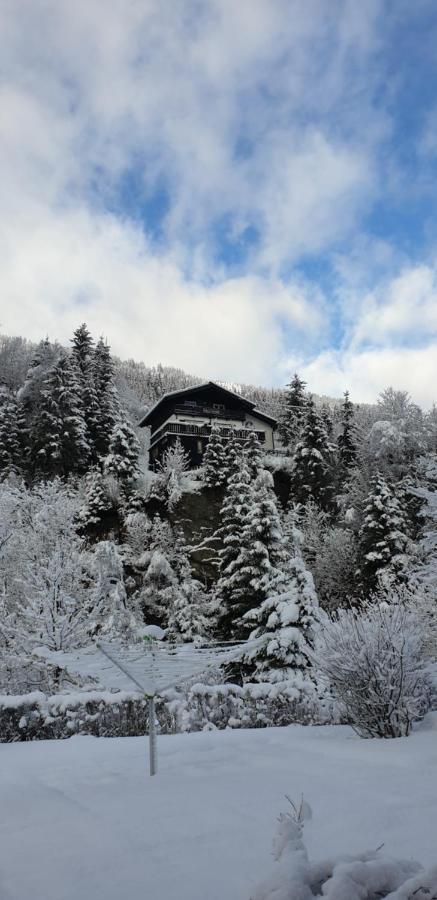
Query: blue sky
{"points": [[241, 190]]}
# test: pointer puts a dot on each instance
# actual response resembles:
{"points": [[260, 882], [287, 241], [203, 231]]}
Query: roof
{"points": [[250, 406]]}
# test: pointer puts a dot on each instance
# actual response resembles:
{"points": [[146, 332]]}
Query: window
{"points": [[218, 406]]}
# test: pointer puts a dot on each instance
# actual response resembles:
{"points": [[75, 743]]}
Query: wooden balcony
{"points": [[202, 431], [215, 412]]}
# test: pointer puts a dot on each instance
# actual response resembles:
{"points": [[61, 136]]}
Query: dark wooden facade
{"points": [[189, 414]]}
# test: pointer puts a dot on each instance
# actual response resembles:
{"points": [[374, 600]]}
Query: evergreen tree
{"points": [[347, 437], [382, 539], [83, 355], [107, 411], [234, 453], [96, 503], [311, 478], [215, 458], [122, 459], [59, 443], [113, 615], [232, 588], [189, 617], [83, 348], [293, 412], [254, 555], [10, 450], [287, 620], [253, 454]]}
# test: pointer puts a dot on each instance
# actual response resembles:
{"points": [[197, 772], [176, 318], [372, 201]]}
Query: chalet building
{"points": [[189, 414]]}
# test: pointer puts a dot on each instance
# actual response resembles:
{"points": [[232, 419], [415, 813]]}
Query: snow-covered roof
{"points": [[204, 385]]}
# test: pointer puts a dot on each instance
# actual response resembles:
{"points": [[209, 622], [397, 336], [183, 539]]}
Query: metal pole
{"points": [[153, 758]]}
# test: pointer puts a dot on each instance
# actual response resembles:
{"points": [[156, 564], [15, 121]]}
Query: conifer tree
{"points": [[234, 453], [293, 413], [382, 540], [254, 557], [10, 450], [190, 615], [122, 459], [286, 619], [232, 588], [215, 458], [107, 411], [96, 503], [83, 355], [59, 443], [311, 478], [253, 454], [346, 439]]}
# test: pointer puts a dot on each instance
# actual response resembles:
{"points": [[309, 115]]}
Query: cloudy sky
{"points": [[241, 189]]}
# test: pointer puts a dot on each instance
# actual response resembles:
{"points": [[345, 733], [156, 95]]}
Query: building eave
{"points": [[204, 384]]}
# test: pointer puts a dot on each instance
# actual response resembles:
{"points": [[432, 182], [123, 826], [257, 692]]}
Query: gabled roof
{"points": [[248, 404]]}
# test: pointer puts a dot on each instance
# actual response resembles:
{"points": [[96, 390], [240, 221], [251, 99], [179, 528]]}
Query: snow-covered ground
{"points": [[81, 818]]}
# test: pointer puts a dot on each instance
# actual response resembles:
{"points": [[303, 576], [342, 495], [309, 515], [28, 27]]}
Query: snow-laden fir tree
{"points": [[262, 559], [10, 449], [293, 412], [254, 455], [347, 448], [232, 587], [190, 616], [311, 476], [83, 355], [122, 459], [112, 615], [215, 458], [96, 503], [285, 618], [58, 440], [108, 406], [382, 541]]}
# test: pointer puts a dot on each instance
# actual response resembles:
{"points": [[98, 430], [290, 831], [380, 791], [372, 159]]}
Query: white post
{"points": [[153, 759]]}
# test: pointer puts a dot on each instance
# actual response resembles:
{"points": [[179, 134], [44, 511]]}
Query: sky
{"points": [[243, 190]]}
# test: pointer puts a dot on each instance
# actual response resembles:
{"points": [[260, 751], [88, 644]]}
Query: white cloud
{"points": [[94, 268], [365, 373]]}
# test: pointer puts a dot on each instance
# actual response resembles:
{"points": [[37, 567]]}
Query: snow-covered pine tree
{"points": [[311, 477], [108, 406], [232, 587], [190, 616], [293, 412], [234, 452], [215, 458], [113, 615], [382, 541], [122, 459], [253, 453], [58, 438], [83, 354], [259, 570], [347, 448], [287, 620], [96, 502], [10, 450]]}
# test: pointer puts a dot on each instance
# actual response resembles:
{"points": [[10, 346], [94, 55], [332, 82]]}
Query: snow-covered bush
{"points": [[363, 876], [373, 661]]}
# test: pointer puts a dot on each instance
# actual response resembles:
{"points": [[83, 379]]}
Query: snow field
{"points": [[81, 818]]}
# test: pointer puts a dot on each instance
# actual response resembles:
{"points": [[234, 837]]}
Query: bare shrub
{"points": [[373, 660]]}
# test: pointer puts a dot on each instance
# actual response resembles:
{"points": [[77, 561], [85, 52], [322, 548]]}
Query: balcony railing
{"points": [[202, 431], [190, 409]]}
